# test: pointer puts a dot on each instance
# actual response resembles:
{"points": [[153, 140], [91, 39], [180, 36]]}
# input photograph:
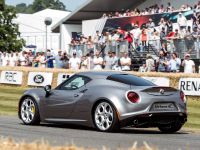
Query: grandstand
{"points": [[88, 17]]}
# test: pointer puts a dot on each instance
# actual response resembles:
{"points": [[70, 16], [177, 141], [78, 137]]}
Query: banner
{"points": [[39, 78], [190, 86], [160, 81], [11, 77], [128, 23], [62, 77]]}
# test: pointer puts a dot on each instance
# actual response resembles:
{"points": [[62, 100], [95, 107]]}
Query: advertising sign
{"points": [[11, 77], [190, 86], [39, 78]]}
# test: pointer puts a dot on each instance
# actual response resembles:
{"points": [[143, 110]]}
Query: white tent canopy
{"points": [[32, 28]]}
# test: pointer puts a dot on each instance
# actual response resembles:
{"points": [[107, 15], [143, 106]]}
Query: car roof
{"points": [[100, 74]]}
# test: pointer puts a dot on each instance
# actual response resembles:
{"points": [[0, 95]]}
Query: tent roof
{"points": [[34, 23]]}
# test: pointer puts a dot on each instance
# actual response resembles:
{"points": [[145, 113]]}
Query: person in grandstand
{"points": [[98, 61], [143, 68], [182, 21], [163, 36], [188, 64], [90, 57], [49, 59], [125, 62], [58, 60], [23, 59], [189, 40], [174, 63], [12, 60], [195, 35], [150, 63], [115, 63], [162, 62], [108, 60], [150, 24], [74, 62], [84, 63]]}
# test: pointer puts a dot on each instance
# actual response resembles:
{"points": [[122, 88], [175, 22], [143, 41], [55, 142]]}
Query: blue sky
{"points": [[70, 4]]}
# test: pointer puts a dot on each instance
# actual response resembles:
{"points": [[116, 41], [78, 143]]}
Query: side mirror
{"points": [[47, 89]]}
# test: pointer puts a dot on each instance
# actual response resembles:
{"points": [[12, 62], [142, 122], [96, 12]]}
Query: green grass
{"points": [[193, 114], [9, 97]]}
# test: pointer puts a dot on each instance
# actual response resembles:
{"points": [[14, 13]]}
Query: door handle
{"points": [[76, 95], [83, 91]]}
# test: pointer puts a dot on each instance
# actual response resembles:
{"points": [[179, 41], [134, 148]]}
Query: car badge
{"points": [[162, 91]]}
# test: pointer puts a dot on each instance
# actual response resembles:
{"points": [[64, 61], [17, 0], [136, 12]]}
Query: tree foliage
{"points": [[39, 5], [9, 33]]}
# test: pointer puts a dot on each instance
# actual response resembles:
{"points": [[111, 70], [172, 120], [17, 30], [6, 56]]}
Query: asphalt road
{"points": [[85, 137]]}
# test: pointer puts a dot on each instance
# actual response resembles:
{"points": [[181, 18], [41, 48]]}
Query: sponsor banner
{"points": [[190, 86], [160, 81], [39, 78], [128, 23], [62, 77], [11, 77]]}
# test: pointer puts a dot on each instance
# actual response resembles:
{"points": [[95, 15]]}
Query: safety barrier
{"points": [[38, 77]]}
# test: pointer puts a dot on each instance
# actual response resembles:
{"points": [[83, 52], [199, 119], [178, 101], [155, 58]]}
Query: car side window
{"points": [[75, 83]]}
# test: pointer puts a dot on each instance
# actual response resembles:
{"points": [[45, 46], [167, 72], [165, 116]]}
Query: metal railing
{"points": [[116, 46], [180, 46]]}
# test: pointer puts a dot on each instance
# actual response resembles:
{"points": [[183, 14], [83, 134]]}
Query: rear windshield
{"points": [[130, 79]]}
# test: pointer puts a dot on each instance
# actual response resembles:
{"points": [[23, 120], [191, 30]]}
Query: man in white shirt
{"points": [[98, 61], [5, 59], [125, 62], [189, 66], [22, 59], [108, 60], [12, 60], [182, 21], [97, 37], [74, 62]]}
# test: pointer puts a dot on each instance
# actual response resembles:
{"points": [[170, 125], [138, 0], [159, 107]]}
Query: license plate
{"points": [[169, 107]]}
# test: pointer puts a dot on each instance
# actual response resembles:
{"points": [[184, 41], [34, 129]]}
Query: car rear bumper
{"points": [[154, 119]]}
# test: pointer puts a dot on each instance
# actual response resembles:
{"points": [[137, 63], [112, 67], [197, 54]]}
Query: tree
{"points": [[9, 33], [21, 8], [2, 5], [39, 5]]}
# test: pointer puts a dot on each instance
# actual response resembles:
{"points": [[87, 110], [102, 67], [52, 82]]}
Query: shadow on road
{"points": [[127, 130]]}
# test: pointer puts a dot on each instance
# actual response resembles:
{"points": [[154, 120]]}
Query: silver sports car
{"points": [[106, 101]]}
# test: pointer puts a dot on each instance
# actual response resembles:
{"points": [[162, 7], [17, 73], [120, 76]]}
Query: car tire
{"points": [[29, 112], [105, 117], [171, 128]]}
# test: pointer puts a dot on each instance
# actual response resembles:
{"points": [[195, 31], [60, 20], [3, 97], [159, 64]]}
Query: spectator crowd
{"points": [[112, 50], [154, 9]]}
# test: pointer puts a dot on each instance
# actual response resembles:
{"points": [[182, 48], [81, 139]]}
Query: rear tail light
{"points": [[182, 96], [133, 97]]}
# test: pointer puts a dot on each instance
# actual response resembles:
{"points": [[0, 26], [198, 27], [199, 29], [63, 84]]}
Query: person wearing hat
{"points": [[74, 62], [188, 64]]}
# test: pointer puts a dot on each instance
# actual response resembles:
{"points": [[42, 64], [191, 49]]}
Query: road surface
{"points": [[85, 137]]}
